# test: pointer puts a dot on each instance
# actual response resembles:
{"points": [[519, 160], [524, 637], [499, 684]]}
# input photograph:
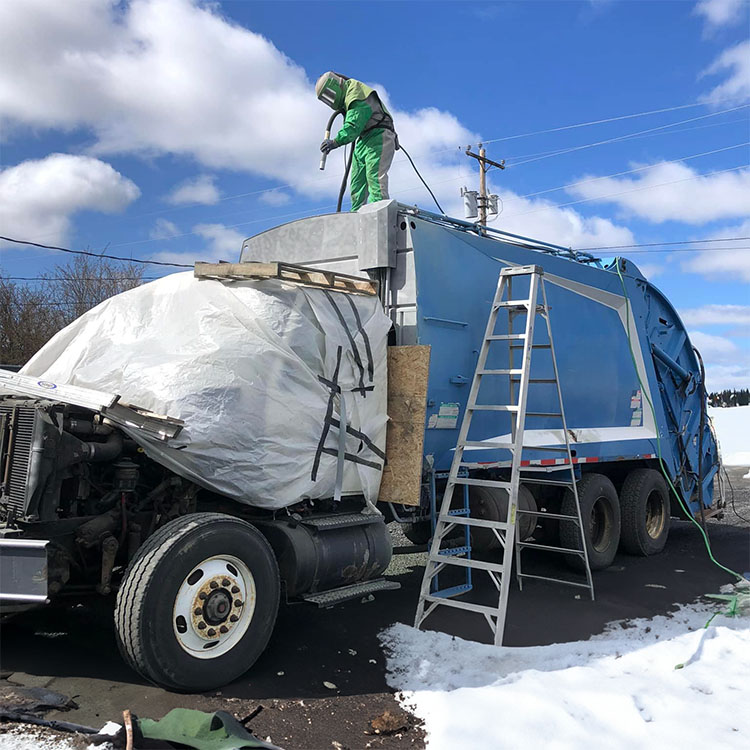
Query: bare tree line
{"points": [[31, 314]]}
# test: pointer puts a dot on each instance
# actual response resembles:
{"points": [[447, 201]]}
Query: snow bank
{"points": [[732, 426], [619, 690]]}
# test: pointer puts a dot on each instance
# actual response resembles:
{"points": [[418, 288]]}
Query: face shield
{"points": [[330, 90]]}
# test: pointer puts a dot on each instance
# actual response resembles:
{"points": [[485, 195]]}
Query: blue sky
{"points": [[172, 129]]}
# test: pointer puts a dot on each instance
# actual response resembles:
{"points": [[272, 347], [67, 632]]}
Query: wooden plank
{"points": [[408, 371], [302, 275]]}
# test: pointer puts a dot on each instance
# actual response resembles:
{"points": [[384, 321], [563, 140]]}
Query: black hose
{"points": [[342, 189], [700, 438], [440, 208]]}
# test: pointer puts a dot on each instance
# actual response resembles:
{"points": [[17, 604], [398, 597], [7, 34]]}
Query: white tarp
{"points": [[251, 368]]}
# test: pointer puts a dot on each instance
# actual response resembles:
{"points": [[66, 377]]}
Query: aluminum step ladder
{"points": [[448, 519]]}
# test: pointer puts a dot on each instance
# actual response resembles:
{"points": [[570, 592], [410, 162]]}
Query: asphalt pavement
{"points": [[72, 650]]}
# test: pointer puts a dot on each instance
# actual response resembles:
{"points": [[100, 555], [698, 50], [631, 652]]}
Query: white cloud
{"points": [[200, 189], [224, 243], [164, 229], [735, 64], [673, 192], [275, 198], [721, 377], [717, 315], [720, 12], [39, 197], [650, 270], [713, 348], [721, 263]]}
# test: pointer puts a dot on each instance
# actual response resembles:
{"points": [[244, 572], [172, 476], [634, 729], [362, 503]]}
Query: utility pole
{"points": [[483, 201]]}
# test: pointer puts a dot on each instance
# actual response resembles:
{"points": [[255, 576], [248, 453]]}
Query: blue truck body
{"points": [[619, 342]]}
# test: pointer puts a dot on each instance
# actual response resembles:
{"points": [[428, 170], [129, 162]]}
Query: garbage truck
{"points": [[210, 445]]}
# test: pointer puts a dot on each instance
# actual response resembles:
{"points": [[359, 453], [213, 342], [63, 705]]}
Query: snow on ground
{"points": [[732, 426], [618, 690]]}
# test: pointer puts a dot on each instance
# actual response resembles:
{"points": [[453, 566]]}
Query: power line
{"points": [[624, 137], [78, 278], [690, 250], [628, 171], [597, 122], [95, 255], [661, 244], [624, 192]]}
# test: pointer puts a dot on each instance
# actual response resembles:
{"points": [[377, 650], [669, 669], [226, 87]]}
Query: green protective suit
{"points": [[369, 123]]}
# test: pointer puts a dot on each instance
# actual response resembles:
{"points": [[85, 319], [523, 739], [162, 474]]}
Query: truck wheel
{"points": [[418, 532], [644, 500], [198, 602], [491, 504], [600, 512]]}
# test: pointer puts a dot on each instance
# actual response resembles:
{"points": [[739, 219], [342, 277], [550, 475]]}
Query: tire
{"points": [[182, 587], [491, 504], [646, 508], [600, 512], [418, 532]]}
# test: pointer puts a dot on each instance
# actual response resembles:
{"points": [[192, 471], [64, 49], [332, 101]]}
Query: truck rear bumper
{"points": [[23, 570]]}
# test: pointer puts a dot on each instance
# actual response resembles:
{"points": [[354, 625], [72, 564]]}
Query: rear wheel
{"points": [[644, 500], [600, 513], [198, 603], [491, 504], [418, 532]]}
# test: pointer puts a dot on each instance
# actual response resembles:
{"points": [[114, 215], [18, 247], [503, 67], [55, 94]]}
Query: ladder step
{"points": [[493, 407], [455, 551], [545, 470], [482, 523], [489, 444], [482, 609], [543, 414], [555, 580], [483, 482], [514, 303], [538, 380], [556, 482], [552, 448], [462, 562], [533, 346], [506, 337], [499, 372], [547, 548], [544, 514]]}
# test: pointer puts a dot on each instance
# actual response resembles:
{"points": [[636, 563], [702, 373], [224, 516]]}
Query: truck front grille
{"points": [[17, 424]]}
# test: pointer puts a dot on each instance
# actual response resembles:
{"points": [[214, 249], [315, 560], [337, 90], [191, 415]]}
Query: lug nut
{"points": [[197, 611], [211, 631], [214, 585], [201, 626], [237, 603], [235, 589], [223, 629], [202, 595], [225, 582], [233, 618]]}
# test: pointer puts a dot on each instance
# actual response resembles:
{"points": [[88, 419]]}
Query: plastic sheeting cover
{"points": [[251, 368]]}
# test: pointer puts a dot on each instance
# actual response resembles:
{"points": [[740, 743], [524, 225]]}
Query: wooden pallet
{"points": [[303, 275]]}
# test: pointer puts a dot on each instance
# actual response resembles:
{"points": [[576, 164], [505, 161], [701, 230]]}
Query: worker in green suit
{"points": [[369, 123]]}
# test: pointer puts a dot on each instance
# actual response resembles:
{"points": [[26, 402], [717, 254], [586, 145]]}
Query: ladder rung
{"points": [[544, 469], [556, 482], [552, 448], [454, 551], [506, 337], [483, 482], [482, 523], [482, 609], [499, 372], [543, 414], [459, 511], [462, 562], [493, 407], [555, 580], [520, 303], [547, 548], [489, 444], [544, 514], [533, 346], [538, 380]]}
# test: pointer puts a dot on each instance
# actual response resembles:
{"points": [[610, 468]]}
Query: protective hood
{"points": [[330, 89]]}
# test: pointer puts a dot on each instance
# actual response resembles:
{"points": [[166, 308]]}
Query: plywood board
{"points": [[408, 371]]}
